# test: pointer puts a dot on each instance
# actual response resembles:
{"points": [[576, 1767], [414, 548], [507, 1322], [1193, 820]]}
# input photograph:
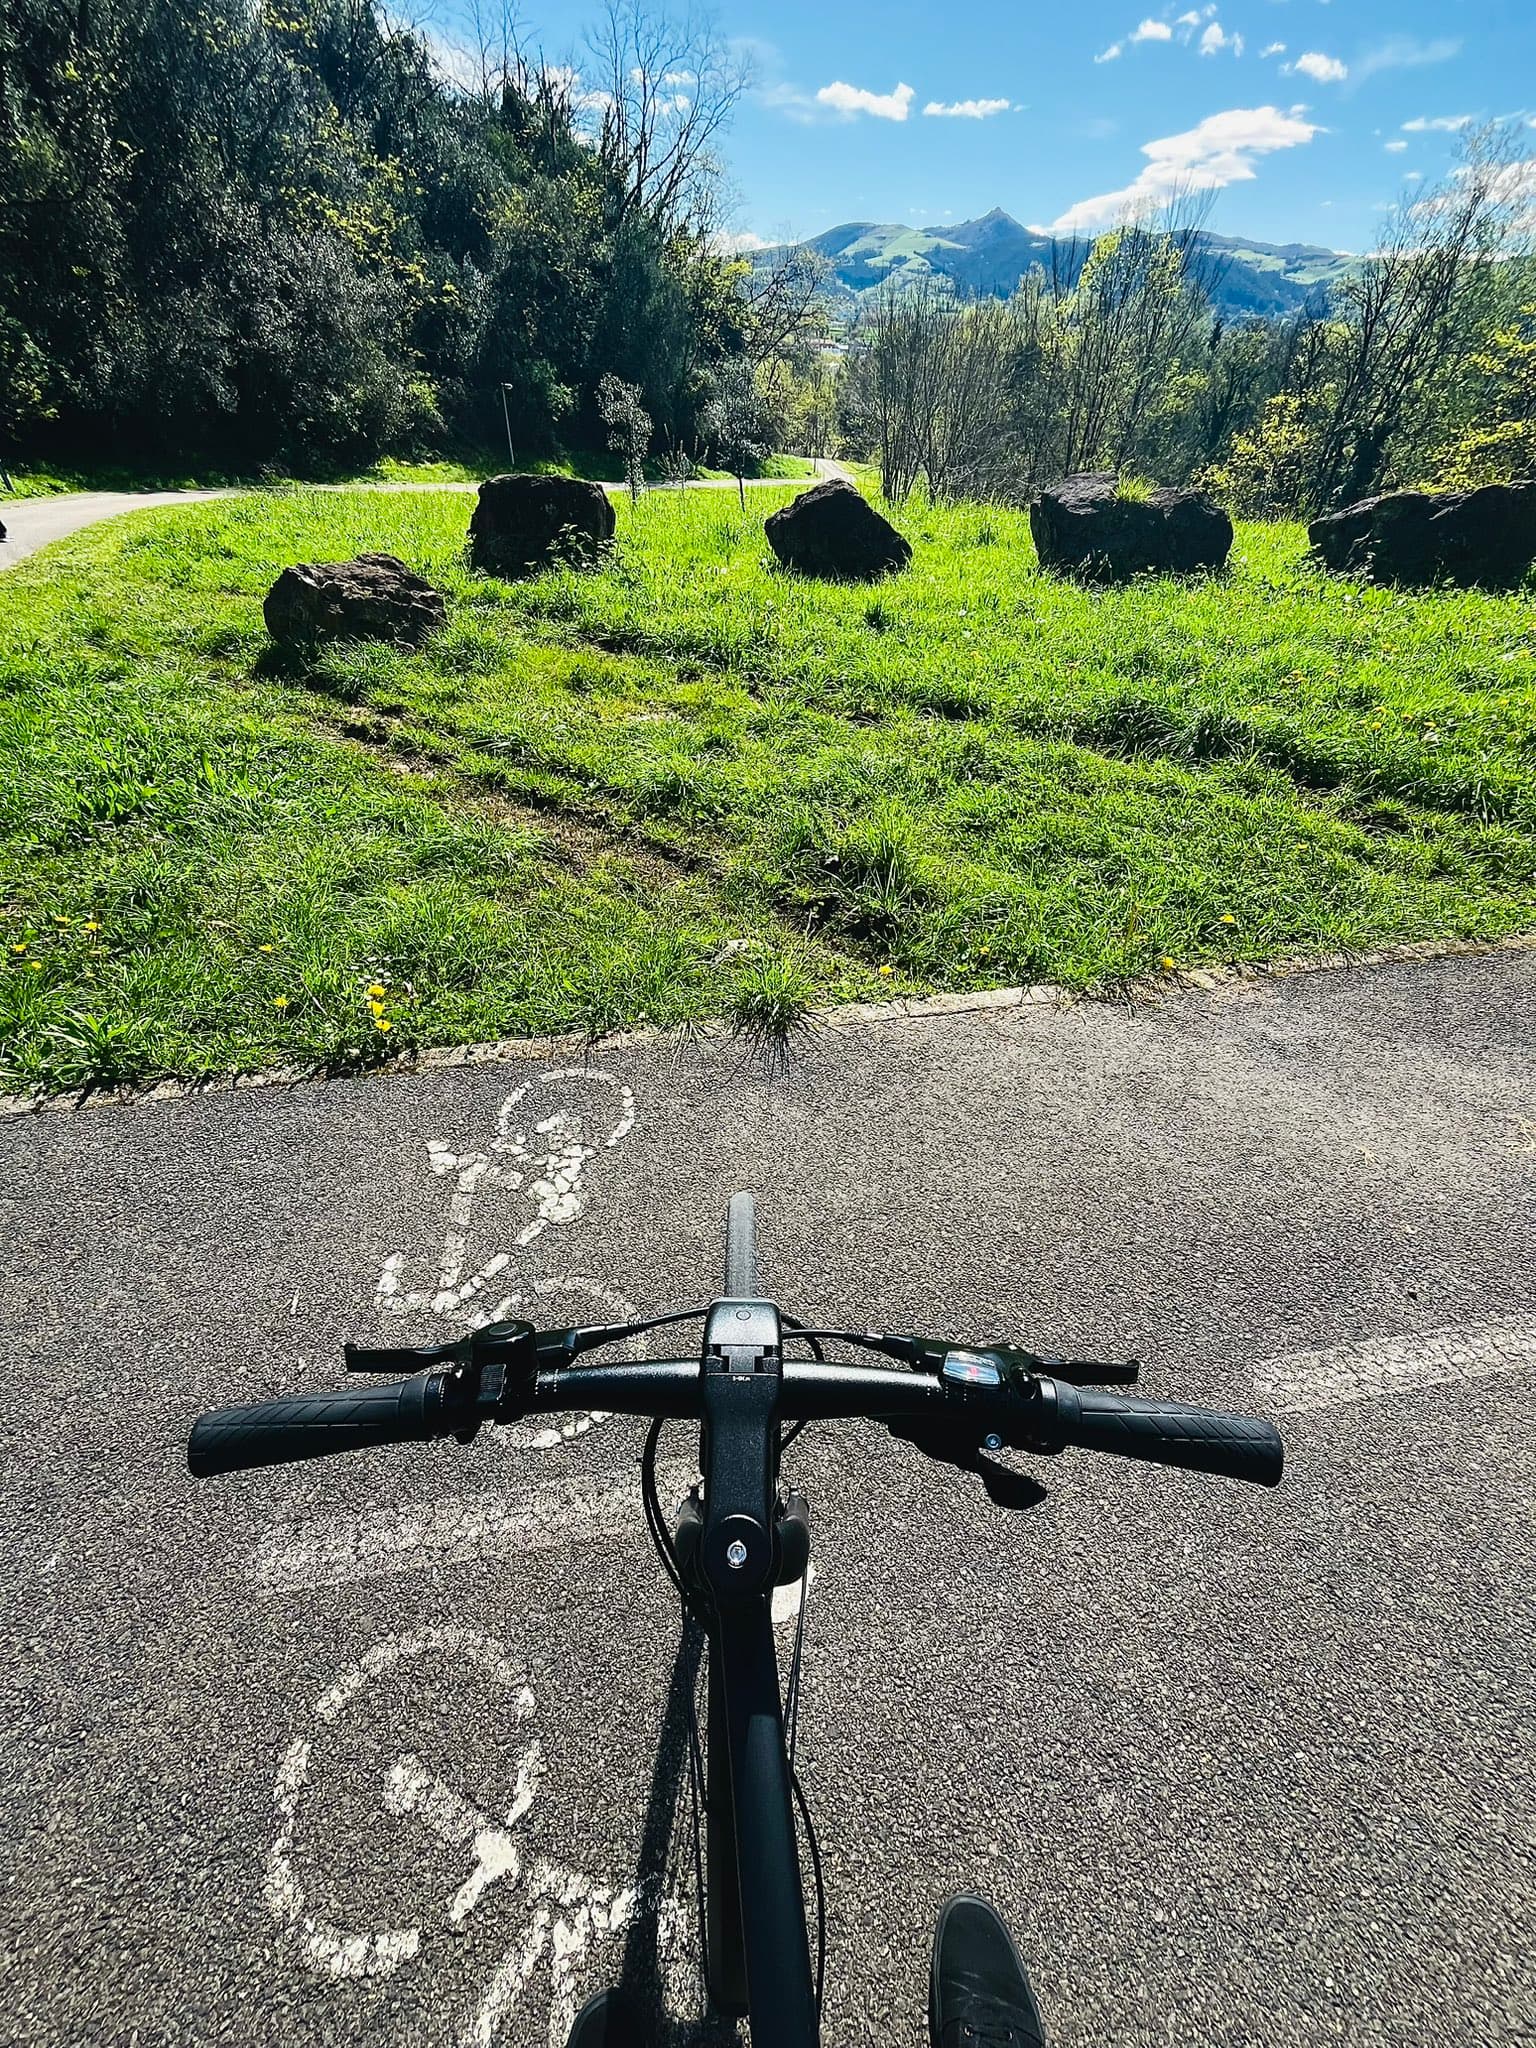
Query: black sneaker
{"points": [[607, 2021], [979, 1995]]}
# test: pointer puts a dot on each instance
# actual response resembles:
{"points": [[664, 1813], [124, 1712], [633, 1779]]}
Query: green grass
{"points": [[688, 785]]}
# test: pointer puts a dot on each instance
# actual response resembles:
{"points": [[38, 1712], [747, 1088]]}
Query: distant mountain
{"points": [[987, 257]]}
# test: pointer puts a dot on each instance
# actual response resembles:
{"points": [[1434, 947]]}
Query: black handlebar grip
{"points": [[317, 1425], [1162, 1432]]}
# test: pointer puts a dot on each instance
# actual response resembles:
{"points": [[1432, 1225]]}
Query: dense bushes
{"points": [[245, 234]]}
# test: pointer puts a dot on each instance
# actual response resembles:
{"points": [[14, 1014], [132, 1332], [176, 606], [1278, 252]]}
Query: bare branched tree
{"points": [[668, 86], [1412, 312], [785, 298]]}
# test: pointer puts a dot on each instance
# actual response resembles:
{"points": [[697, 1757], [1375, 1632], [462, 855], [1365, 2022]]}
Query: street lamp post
{"points": [[507, 422]]}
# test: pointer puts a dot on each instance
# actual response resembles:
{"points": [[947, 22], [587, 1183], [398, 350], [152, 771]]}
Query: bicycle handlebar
{"points": [[316, 1425], [1161, 1432], [1028, 1412]]}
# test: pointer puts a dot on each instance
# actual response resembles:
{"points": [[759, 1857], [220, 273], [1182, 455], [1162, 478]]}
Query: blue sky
{"points": [[1304, 118]]}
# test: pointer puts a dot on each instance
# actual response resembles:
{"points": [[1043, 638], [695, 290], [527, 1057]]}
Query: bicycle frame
{"points": [[757, 1949]]}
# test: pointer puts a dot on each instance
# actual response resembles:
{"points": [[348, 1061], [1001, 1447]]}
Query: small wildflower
{"points": [[36, 966], [90, 925], [1166, 964], [1227, 917], [377, 990], [377, 1009], [382, 1024], [887, 970], [266, 949], [279, 1002], [20, 946]]}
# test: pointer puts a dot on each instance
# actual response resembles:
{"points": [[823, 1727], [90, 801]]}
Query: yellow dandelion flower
{"points": [[90, 926], [279, 1002], [377, 1009], [266, 949], [59, 920], [377, 990], [382, 1024], [887, 970], [1166, 964], [36, 966], [1227, 917], [20, 946]]}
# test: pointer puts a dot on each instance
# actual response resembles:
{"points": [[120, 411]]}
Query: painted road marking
{"points": [[423, 1535], [1307, 1381], [410, 1788], [349, 1952], [542, 1160], [567, 1910]]}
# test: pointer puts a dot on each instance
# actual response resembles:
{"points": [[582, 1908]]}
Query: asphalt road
{"points": [[32, 523], [369, 1750]]}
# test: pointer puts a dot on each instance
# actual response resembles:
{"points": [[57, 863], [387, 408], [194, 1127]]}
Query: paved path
{"points": [[31, 523], [367, 1750]]}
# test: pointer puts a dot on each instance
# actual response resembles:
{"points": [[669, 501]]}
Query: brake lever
{"points": [[959, 1448], [1077, 1372]]}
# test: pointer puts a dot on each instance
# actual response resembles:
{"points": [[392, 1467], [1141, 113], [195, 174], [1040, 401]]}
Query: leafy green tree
{"points": [[737, 423], [629, 428]]}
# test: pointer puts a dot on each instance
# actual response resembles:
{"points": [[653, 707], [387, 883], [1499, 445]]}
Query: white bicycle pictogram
{"points": [[542, 1161], [563, 1911]]}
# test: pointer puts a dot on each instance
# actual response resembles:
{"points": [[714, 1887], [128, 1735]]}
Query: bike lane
{"points": [[368, 1749]]}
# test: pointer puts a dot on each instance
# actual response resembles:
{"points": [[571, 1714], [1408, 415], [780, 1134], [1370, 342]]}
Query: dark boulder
{"points": [[375, 597], [832, 530], [1085, 527], [1485, 537], [522, 524]]}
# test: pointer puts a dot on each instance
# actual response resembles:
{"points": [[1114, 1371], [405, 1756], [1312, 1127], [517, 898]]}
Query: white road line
{"points": [[1310, 1380], [455, 1530]]}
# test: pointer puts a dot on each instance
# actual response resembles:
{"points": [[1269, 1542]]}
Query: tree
{"points": [[737, 422], [298, 235], [1404, 324], [1497, 441], [666, 88], [629, 428]]}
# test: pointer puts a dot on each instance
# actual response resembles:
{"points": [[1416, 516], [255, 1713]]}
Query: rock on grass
{"points": [[833, 531], [375, 597], [522, 524]]}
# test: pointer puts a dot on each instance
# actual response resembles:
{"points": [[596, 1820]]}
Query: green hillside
{"points": [[1246, 280]]}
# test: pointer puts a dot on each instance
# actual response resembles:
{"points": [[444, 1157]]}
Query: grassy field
{"points": [[688, 785]]}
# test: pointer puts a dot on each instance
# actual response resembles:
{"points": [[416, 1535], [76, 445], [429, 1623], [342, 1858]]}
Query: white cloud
{"points": [[1406, 53], [744, 244], [1326, 70], [1220, 151], [453, 61], [1412, 177], [566, 82], [966, 110], [1438, 124], [849, 100], [1394, 148], [1108, 56], [1216, 39], [1152, 32], [1510, 182], [1273, 50]]}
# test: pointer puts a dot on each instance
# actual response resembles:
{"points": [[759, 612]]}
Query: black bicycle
{"points": [[738, 1535]]}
